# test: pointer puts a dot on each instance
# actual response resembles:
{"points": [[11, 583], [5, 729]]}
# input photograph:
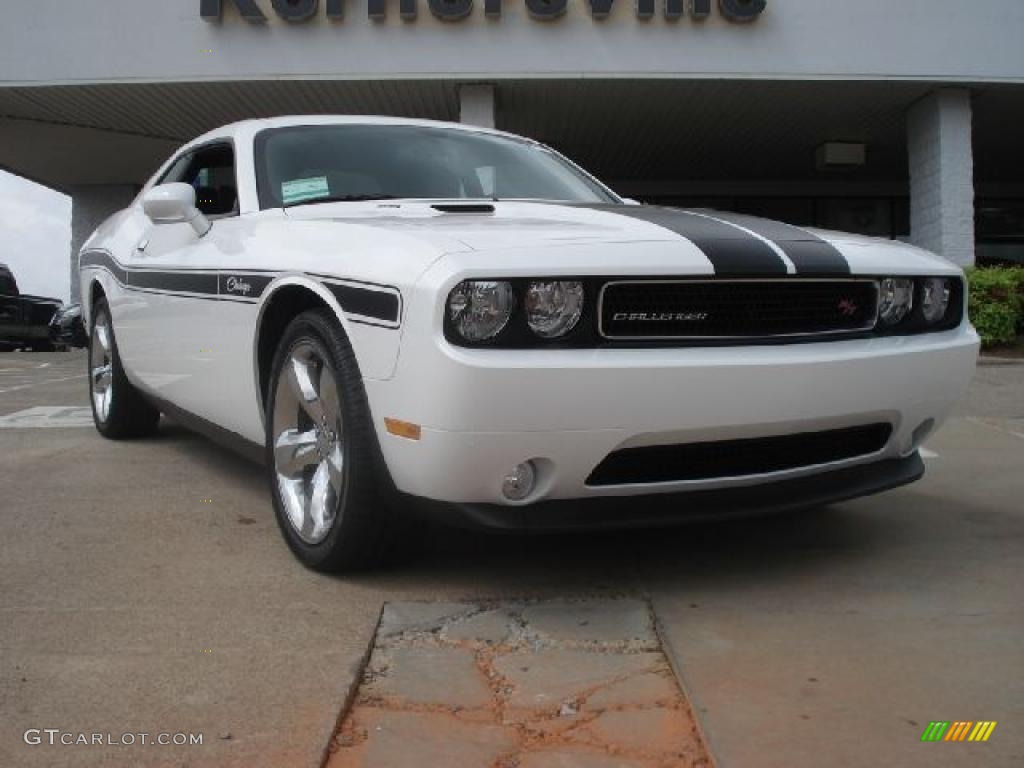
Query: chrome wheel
{"points": [[308, 443], [100, 367]]}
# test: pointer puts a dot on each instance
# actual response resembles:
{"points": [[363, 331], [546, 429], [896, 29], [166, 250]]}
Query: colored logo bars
{"points": [[958, 731]]}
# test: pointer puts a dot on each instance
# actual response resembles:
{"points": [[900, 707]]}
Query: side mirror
{"points": [[631, 201], [175, 204]]}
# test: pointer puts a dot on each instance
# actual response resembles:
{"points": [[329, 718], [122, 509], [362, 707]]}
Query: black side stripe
{"points": [[731, 251], [100, 259], [381, 303], [809, 253], [174, 282]]}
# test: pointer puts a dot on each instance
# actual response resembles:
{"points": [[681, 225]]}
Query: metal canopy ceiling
{"points": [[628, 132]]}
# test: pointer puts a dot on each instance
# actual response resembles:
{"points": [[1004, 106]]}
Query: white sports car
{"points": [[398, 314]]}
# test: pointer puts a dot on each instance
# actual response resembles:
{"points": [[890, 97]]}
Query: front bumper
{"points": [[667, 509], [484, 411]]}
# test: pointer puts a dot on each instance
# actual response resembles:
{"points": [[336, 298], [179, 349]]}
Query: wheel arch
{"points": [[94, 291], [286, 298]]}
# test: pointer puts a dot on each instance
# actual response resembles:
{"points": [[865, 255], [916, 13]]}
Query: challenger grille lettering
{"points": [[661, 317], [745, 308]]}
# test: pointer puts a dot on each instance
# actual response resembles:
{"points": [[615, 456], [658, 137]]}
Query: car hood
{"points": [[734, 244]]}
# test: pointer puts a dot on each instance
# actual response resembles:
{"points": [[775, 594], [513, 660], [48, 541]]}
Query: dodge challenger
{"points": [[399, 315]]}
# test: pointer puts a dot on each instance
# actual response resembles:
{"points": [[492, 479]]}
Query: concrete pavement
{"points": [[146, 588], [866, 622], [572, 683]]}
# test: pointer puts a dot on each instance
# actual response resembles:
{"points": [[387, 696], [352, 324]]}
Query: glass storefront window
{"points": [[887, 217], [999, 231]]}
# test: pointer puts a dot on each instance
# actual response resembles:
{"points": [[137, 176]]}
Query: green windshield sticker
{"points": [[304, 189]]}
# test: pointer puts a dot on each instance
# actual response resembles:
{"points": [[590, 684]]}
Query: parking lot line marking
{"points": [[48, 416], [996, 427], [43, 383]]}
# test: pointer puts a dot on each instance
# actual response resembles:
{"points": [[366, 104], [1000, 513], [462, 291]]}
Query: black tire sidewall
{"points": [[360, 516], [101, 309], [130, 414]]}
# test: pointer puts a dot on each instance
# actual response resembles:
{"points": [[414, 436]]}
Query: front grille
{"points": [[736, 309], [738, 458]]}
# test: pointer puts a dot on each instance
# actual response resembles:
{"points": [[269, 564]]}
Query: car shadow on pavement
{"points": [[458, 562], [748, 551], [195, 446]]}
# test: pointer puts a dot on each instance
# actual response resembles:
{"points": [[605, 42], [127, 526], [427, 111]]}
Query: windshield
{"points": [[305, 164]]}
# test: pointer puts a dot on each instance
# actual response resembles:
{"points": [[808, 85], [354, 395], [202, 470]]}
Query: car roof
{"points": [[248, 128]]}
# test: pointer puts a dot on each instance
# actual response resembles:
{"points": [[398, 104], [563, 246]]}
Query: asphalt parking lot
{"points": [[146, 589]]}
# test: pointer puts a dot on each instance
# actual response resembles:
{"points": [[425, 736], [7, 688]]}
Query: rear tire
{"points": [[332, 494], [118, 409]]}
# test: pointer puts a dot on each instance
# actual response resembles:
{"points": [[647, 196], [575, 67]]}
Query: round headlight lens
{"points": [[553, 307], [934, 299], [480, 309], [895, 300]]}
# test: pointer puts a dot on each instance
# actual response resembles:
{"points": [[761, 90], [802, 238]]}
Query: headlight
{"points": [[553, 307], [480, 309], [895, 300], [935, 292]]}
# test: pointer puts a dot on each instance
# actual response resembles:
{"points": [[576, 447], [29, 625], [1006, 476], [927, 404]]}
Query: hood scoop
{"points": [[464, 207]]}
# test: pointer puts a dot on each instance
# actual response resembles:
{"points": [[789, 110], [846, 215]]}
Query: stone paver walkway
{"points": [[558, 684]]}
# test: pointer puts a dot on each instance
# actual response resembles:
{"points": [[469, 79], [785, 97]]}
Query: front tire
{"points": [[118, 409], [330, 488]]}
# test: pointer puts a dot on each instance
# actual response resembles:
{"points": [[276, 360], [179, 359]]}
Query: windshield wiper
{"points": [[339, 199]]}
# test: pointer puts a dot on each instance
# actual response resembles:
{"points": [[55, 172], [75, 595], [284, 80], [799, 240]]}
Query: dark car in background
{"points": [[67, 329], [24, 320]]}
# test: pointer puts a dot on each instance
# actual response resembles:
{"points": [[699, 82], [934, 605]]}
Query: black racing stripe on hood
{"points": [[732, 251], [809, 253]]}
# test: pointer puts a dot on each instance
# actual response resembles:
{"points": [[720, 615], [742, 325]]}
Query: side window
{"points": [[485, 175], [211, 172]]}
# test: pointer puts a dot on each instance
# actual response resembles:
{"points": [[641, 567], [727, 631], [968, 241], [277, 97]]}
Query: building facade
{"points": [[892, 119]]}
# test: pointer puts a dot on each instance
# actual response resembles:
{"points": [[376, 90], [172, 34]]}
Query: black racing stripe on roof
{"points": [[731, 251]]}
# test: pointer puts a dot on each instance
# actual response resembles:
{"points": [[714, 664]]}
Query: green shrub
{"points": [[996, 303]]}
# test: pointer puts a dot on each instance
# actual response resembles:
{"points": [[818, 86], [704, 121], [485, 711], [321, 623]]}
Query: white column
{"points": [[90, 206], [942, 174], [476, 105]]}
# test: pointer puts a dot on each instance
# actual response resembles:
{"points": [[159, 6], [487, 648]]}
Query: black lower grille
{"points": [[737, 458], [736, 309]]}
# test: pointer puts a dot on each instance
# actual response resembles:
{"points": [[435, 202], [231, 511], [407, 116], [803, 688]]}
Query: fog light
{"points": [[518, 484]]}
